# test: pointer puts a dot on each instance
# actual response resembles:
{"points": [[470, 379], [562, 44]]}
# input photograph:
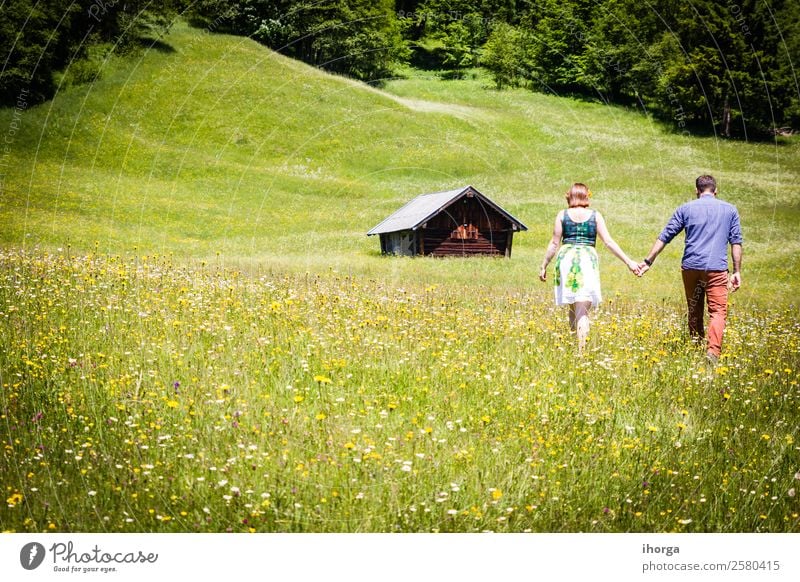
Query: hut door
{"points": [[402, 243], [407, 243]]}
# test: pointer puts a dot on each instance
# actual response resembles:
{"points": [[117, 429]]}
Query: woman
{"points": [[577, 273]]}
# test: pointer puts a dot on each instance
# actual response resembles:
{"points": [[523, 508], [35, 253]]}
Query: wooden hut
{"points": [[460, 222]]}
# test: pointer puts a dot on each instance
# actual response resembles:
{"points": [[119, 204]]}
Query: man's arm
{"points": [[674, 226], [658, 246], [735, 239], [645, 265], [736, 257]]}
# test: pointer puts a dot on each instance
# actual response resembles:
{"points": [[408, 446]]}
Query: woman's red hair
{"points": [[578, 195]]}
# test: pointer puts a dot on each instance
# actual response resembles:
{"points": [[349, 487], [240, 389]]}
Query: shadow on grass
{"points": [[155, 45], [740, 130]]}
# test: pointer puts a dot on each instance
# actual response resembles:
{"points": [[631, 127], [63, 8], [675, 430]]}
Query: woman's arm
{"points": [[605, 236], [552, 247]]}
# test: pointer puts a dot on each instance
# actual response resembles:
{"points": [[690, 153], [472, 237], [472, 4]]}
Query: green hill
{"points": [[223, 147]]}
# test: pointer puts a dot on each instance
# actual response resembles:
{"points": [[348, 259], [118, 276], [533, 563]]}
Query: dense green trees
{"points": [[727, 65], [360, 38], [39, 38], [504, 54], [730, 65]]}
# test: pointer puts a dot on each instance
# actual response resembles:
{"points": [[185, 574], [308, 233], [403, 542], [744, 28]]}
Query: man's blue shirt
{"points": [[710, 225]]}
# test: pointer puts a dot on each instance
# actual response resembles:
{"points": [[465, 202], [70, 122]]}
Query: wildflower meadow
{"points": [[141, 394]]}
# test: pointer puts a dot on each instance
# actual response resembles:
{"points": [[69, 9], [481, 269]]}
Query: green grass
{"points": [[199, 217], [143, 395], [225, 147]]}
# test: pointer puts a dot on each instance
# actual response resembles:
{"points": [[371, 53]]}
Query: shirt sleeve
{"points": [[674, 226], [735, 232]]}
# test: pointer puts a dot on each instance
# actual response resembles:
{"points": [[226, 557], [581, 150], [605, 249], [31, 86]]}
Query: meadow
{"points": [[197, 335], [213, 145], [143, 395]]}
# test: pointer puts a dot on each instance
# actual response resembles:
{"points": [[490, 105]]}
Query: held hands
{"points": [[633, 266], [640, 269]]}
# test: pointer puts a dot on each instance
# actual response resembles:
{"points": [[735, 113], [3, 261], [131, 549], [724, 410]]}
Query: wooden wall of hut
{"points": [[466, 227]]}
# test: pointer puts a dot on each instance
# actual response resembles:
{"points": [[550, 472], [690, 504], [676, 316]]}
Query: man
{"points": [[710, 225]]}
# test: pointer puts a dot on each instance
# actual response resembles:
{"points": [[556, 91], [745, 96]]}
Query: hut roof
{"points": [[422, 208]]}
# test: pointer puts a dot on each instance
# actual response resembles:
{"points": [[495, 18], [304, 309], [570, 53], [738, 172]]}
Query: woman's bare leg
{"points": [[582, 323]]}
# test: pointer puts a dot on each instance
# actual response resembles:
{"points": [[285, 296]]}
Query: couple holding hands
{"points": [[710, 225]]}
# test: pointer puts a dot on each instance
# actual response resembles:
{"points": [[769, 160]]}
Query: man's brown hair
{"points": [[706, 184]]}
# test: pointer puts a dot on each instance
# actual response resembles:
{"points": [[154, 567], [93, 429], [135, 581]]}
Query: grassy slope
{"points": [[225, 147]]}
